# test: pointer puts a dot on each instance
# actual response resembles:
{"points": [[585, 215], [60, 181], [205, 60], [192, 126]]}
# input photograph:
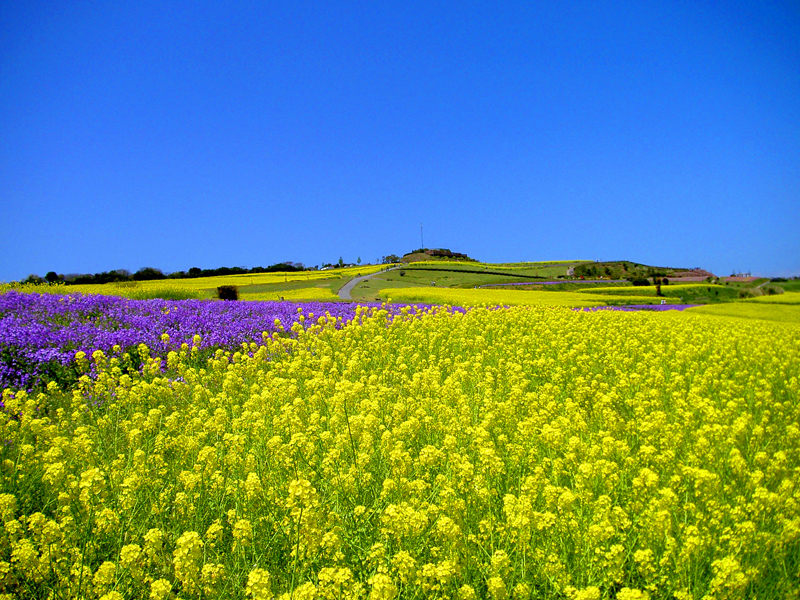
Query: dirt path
{"points": [[344, 291]]}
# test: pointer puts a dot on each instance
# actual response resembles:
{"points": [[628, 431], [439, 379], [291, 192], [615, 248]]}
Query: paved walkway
{"points": [[344, 292]]}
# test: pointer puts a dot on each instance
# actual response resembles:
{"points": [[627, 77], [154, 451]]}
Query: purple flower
{"points": [[41, 331]]}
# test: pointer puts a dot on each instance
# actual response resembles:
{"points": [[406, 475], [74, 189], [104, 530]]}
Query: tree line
{"points": [[150, 273]]}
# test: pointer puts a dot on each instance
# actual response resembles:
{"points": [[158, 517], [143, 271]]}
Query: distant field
{"points": [[418, 277], [540, 263], [749, 309], [789, 286], [443, 281], [520, 270], [299, 295], [200, 285], [565, 285], [689, 293], [460, 297], [269, 285], [792, 298]]}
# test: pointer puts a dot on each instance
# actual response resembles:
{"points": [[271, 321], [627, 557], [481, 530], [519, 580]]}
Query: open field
{"points": [[523, 270], [432, 276], [792, 298], [541, 263], [504, 297], [260, 286], [524, 452], [322, 294], [789, 286], [748, 309], [423, 278], [689, 293]]}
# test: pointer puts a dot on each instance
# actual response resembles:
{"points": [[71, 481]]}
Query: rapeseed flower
{"points": [[497, 453]]}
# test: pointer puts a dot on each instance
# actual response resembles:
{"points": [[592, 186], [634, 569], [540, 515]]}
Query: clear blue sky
{"points": [[181, 134]]}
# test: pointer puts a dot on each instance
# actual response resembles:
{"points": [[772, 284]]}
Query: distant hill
{"points": [[435, 254], [616, 269], [625, 269]]}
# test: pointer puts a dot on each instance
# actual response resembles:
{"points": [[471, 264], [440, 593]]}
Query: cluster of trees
{"points": [[340, 264], [633, 272], [149, 273]]}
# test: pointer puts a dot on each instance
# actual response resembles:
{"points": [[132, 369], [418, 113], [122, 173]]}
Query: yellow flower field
{"points": [[747, 309], [194, 287], [211, 283], [508, 297], [785, 298], [650, 290], [300, 295], [522, 453]]}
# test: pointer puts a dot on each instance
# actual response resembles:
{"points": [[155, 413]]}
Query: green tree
{"points": [[148, 273]]}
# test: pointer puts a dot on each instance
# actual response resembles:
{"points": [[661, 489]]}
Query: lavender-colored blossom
{"points": [[39, 331]]}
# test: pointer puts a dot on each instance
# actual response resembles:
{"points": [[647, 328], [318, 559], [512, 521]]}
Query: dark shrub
{"points": [[640, 281], [750, 292], [148, 274], [228, 292]]}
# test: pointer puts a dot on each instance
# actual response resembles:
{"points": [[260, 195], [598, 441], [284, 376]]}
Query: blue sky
{"points": [[181, 134]]}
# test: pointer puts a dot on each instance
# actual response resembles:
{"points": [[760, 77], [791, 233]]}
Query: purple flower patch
{"points": [[40, 332]]}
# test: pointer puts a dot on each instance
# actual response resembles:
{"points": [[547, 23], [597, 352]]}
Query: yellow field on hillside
{"points": [[650, 290], [747, 309], [496, 297], [785, 298], [301, 295], [195, 287]]}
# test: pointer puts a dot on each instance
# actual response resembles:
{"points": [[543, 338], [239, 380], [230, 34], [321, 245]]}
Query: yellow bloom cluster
{"points": [[522, 453]]}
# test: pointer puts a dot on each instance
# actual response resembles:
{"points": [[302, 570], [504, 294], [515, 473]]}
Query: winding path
{"points": [[344, 291]]}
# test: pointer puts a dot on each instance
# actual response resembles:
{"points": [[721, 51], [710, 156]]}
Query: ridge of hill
{"points": [[421, 254]]}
